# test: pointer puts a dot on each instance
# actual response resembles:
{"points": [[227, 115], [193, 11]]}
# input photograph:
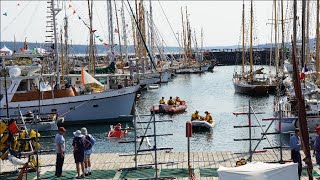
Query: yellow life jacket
{"points": [[33, 134], [162, 101], [171, 102], [4, 138], [195, 116], [4, 155], [3, 127], [33, 161]]}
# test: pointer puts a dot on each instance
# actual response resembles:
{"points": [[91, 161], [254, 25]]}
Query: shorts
{"points": [[87, 157], [78, 157]]}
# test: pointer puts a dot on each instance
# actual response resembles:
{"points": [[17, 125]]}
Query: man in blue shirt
{"points": [[60, 149], [295, 146]]}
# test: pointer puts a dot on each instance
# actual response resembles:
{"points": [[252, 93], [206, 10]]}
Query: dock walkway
{"points": [[107, 165]]}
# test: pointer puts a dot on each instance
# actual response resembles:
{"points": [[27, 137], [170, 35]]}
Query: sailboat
{"points": [[81, 100], [253, 83]]}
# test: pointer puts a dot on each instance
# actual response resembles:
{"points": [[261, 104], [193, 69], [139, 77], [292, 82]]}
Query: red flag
{"points": [[105, 44], [74, 11], [304, 71]]}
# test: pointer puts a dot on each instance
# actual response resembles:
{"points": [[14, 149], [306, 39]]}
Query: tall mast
{"points": [[124, 29], [243, 50], [307, 33], [91, 63], [62, 54], [184, 38], [119, 38], [151, 31], [317, 41], [66, 42], [282, 35], [55, 11], [303, 50], [110, 24], [294, 23], [251, 23], [276, 53]]}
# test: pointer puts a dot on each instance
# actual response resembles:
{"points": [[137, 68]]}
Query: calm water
{"points": [[211, 92]]}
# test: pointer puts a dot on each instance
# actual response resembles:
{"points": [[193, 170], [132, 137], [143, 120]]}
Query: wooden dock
{"points": [[203, 163]]}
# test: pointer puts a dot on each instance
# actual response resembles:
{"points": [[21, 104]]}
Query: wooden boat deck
{"points": [[106, 165]]}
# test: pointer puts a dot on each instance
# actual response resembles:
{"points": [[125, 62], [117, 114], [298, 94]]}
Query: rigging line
{"points": [[20, 12], [103, 27], [169, 23], [141, 36], [31, 17]]}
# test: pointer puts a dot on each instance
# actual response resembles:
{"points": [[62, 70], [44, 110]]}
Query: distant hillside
{"points": [[79, 49]]}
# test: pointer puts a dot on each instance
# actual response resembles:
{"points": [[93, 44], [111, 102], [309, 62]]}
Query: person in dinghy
{"points": [[196, 116], [208, 117]]}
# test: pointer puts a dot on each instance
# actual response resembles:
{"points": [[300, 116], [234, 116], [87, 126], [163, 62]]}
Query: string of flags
{"points": [[97, 36]]}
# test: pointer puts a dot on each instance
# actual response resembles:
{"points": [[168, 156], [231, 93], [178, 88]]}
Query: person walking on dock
{"points": [[78, 152], [295, 146], [88, 150], [60, 149]]}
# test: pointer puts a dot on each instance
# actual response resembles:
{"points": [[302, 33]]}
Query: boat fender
{"points": [[3, 127]]}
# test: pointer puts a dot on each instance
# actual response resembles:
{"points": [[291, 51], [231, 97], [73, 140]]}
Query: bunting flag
{"points": [[94, 30], [5, 14], [116, 30]]}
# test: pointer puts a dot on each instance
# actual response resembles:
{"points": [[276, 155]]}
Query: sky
{"points": [[220, 20]]}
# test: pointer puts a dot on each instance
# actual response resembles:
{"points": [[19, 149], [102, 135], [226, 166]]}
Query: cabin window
{"points": [[22, 86]]}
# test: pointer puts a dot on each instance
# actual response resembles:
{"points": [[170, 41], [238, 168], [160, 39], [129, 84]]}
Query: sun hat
{"points": [[84, 131], [77, 133]]}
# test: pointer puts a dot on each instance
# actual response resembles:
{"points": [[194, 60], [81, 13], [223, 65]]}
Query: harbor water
{"points": [[213, 92]]}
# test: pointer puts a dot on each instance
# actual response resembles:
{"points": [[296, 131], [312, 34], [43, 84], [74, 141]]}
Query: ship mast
{"points": [[276, 53], [317, 41], [151, 32], [91, 61], [124, 32], [55, 11], [110, 25], [243, 50], [251, 55]]}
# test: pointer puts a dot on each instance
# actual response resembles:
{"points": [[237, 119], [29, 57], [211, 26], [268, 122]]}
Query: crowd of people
{"points": [[197, 116], [82, 149]]}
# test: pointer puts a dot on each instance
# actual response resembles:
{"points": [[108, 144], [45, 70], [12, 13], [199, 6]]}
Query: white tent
{"points": [[261, 171], [6, 51]]}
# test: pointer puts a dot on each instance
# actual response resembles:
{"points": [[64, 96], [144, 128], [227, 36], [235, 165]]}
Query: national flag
{"points": [[74, 11], [304, 72]]}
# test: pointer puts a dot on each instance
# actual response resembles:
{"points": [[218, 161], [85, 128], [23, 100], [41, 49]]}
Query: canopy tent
{"points": [[6, 51], [261, 171]]}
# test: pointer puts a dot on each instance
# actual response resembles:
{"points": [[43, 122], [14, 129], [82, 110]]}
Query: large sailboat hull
{"points": [[252, 90], [108, 106]]}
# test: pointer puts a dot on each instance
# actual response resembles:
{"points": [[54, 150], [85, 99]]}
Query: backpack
{"points": [[91, 140]]}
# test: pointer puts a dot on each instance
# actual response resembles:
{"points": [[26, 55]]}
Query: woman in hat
{"points": [[78, 144]]}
